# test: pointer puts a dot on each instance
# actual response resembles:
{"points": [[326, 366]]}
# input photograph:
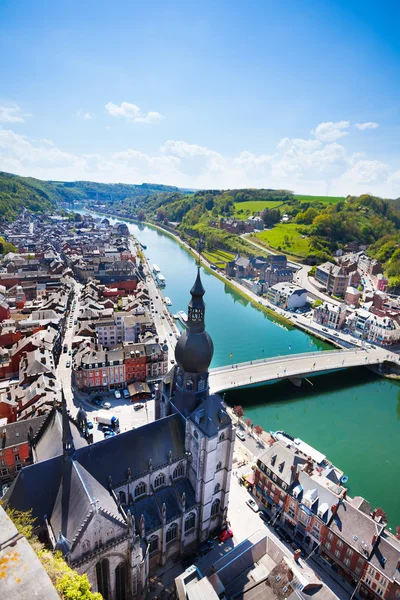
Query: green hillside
{"points": [[17, 193]]}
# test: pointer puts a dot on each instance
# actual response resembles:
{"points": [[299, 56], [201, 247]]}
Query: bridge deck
{"points": [[294, 366]]}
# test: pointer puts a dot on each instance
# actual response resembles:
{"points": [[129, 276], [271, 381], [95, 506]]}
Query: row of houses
{"points": [[306, 494]]}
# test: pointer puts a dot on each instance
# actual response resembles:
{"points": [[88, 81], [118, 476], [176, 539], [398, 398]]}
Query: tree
{"points": [[141, 215], [238, 411], [258, 429], [248, 422], [161, 214], [316, 303]]}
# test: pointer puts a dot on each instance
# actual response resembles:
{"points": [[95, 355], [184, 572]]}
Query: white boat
{"points": [[168, 301], [182, 316], [176, 316], [156, 269], [160, 279]]}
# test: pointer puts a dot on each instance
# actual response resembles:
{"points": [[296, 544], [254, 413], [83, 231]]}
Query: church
{"points": [[119, 508]]}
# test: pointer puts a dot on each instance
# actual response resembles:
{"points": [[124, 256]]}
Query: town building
{"points": [[121, 507], [333, 278], [330, 315], [287, 295], [352, 296]]}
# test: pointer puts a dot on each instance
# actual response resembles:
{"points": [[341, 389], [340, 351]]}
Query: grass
{"points": [[324, 199], [287, 238], [246, 209], [218, 257]]}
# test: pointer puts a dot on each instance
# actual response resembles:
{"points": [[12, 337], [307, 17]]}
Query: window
{"points": [[179, 471], [268, 472], [347, 562], [379, 591], [330, 536], [357, 570], [222, 437], [159, 480], [339, 544], [219, 466], [190, 521], [284, 486], [217, 488], [140, 489], [195, 433], [102, 576], [189, 384], [349, 552], [120, 582], [274, 477], [328, 546], [3, 472], [153, 543], [215, 507], [15, 449], [202, 384], [172, 532], [367, 581], [122, 497], [371, 571]]}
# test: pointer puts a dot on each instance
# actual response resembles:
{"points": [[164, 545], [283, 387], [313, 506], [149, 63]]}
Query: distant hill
{"points": [[39, 196]]}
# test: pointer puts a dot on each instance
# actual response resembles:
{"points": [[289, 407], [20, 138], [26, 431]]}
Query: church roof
{"points": [[133, 449], [147, 506], [168, 496], [209, 416], [183, 486], [49, 439], [79, 497]]}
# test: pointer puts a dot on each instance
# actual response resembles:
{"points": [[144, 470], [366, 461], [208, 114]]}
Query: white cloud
{"points": [[329, 132], [304, 165], [368, 125], [84, 115], [12, 113], [132, 113]]}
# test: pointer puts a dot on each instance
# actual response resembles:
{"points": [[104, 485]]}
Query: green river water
{"points": [[351, 416]]}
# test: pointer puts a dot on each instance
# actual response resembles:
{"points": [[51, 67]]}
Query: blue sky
{"points": [[296, 94]]}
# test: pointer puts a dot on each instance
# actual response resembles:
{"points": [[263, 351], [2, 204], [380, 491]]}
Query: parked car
{"points": [[241, 436], [206, 547], [126, 394], [117, 394], [253, 504], [324, 329], [96, 401], [89, 424], [68, 364], [170, 333], [138, 406], [107, 405], [225, 535], [108, 434], [69, 353], [263, 515], [282, 535]]}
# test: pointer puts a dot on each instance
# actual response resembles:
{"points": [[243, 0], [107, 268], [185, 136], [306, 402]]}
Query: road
{"points": [[291, 264], [294, 366], [302, 279]]}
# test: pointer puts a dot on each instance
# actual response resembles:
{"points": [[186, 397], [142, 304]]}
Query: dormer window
{"points": [[201, 385], [189, 384], [273, 460], [281, 467]]}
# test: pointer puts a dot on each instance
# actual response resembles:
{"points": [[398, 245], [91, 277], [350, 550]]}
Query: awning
{"points": [[249, 478], [138, 388]]}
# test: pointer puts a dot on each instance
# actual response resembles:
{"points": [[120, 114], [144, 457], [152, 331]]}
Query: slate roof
{"points": [[386, 556], [355, 527], [147, 507], [17, 433], [183, 485], [133, 449], [79, 497], [209, 416], [49, 439], [167, 494], [282, 457]]}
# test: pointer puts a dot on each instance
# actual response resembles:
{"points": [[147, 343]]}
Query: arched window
{"points": [[122, 497], [195, 433], [215, 507], [159, 480], [172, 532], [190, 521], [219, 466], [103, 577], [217, 488], [222, 437], [140, 489], [179, 471], [120, 582], [189, 384], [179, 380], [202, 384], [153, 543]]}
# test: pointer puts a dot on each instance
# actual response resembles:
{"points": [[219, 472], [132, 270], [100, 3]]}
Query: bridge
{"points": [[295, 367]]}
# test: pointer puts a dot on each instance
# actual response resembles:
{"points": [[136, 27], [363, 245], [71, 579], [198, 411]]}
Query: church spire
{"points": [[67, 439], [196, 307]]}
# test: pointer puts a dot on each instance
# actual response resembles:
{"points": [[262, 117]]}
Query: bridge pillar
{"points": [[297, 381]]}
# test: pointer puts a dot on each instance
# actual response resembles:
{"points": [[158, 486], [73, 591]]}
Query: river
{"points": [[353, 417]]}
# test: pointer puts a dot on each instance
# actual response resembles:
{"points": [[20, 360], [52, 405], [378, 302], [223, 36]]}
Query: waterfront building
{"points": [[121, 507], [352, 297], [287, 295], [330, 315]]}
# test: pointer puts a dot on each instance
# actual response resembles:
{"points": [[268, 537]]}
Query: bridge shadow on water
{"points": [[284, 391]]}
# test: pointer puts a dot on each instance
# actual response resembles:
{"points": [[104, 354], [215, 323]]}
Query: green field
{"points": [[285, 237], [219, 258], [246, 209], [324, 199]]}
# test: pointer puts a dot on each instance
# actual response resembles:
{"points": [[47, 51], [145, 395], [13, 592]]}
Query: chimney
{"points": [[374, 513], [4, 434], [344, 494], [296, 555], [334, 508], [374, 538]]}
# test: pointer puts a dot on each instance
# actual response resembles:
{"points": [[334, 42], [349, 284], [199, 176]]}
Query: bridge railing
{"points": [[279, 358]]}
